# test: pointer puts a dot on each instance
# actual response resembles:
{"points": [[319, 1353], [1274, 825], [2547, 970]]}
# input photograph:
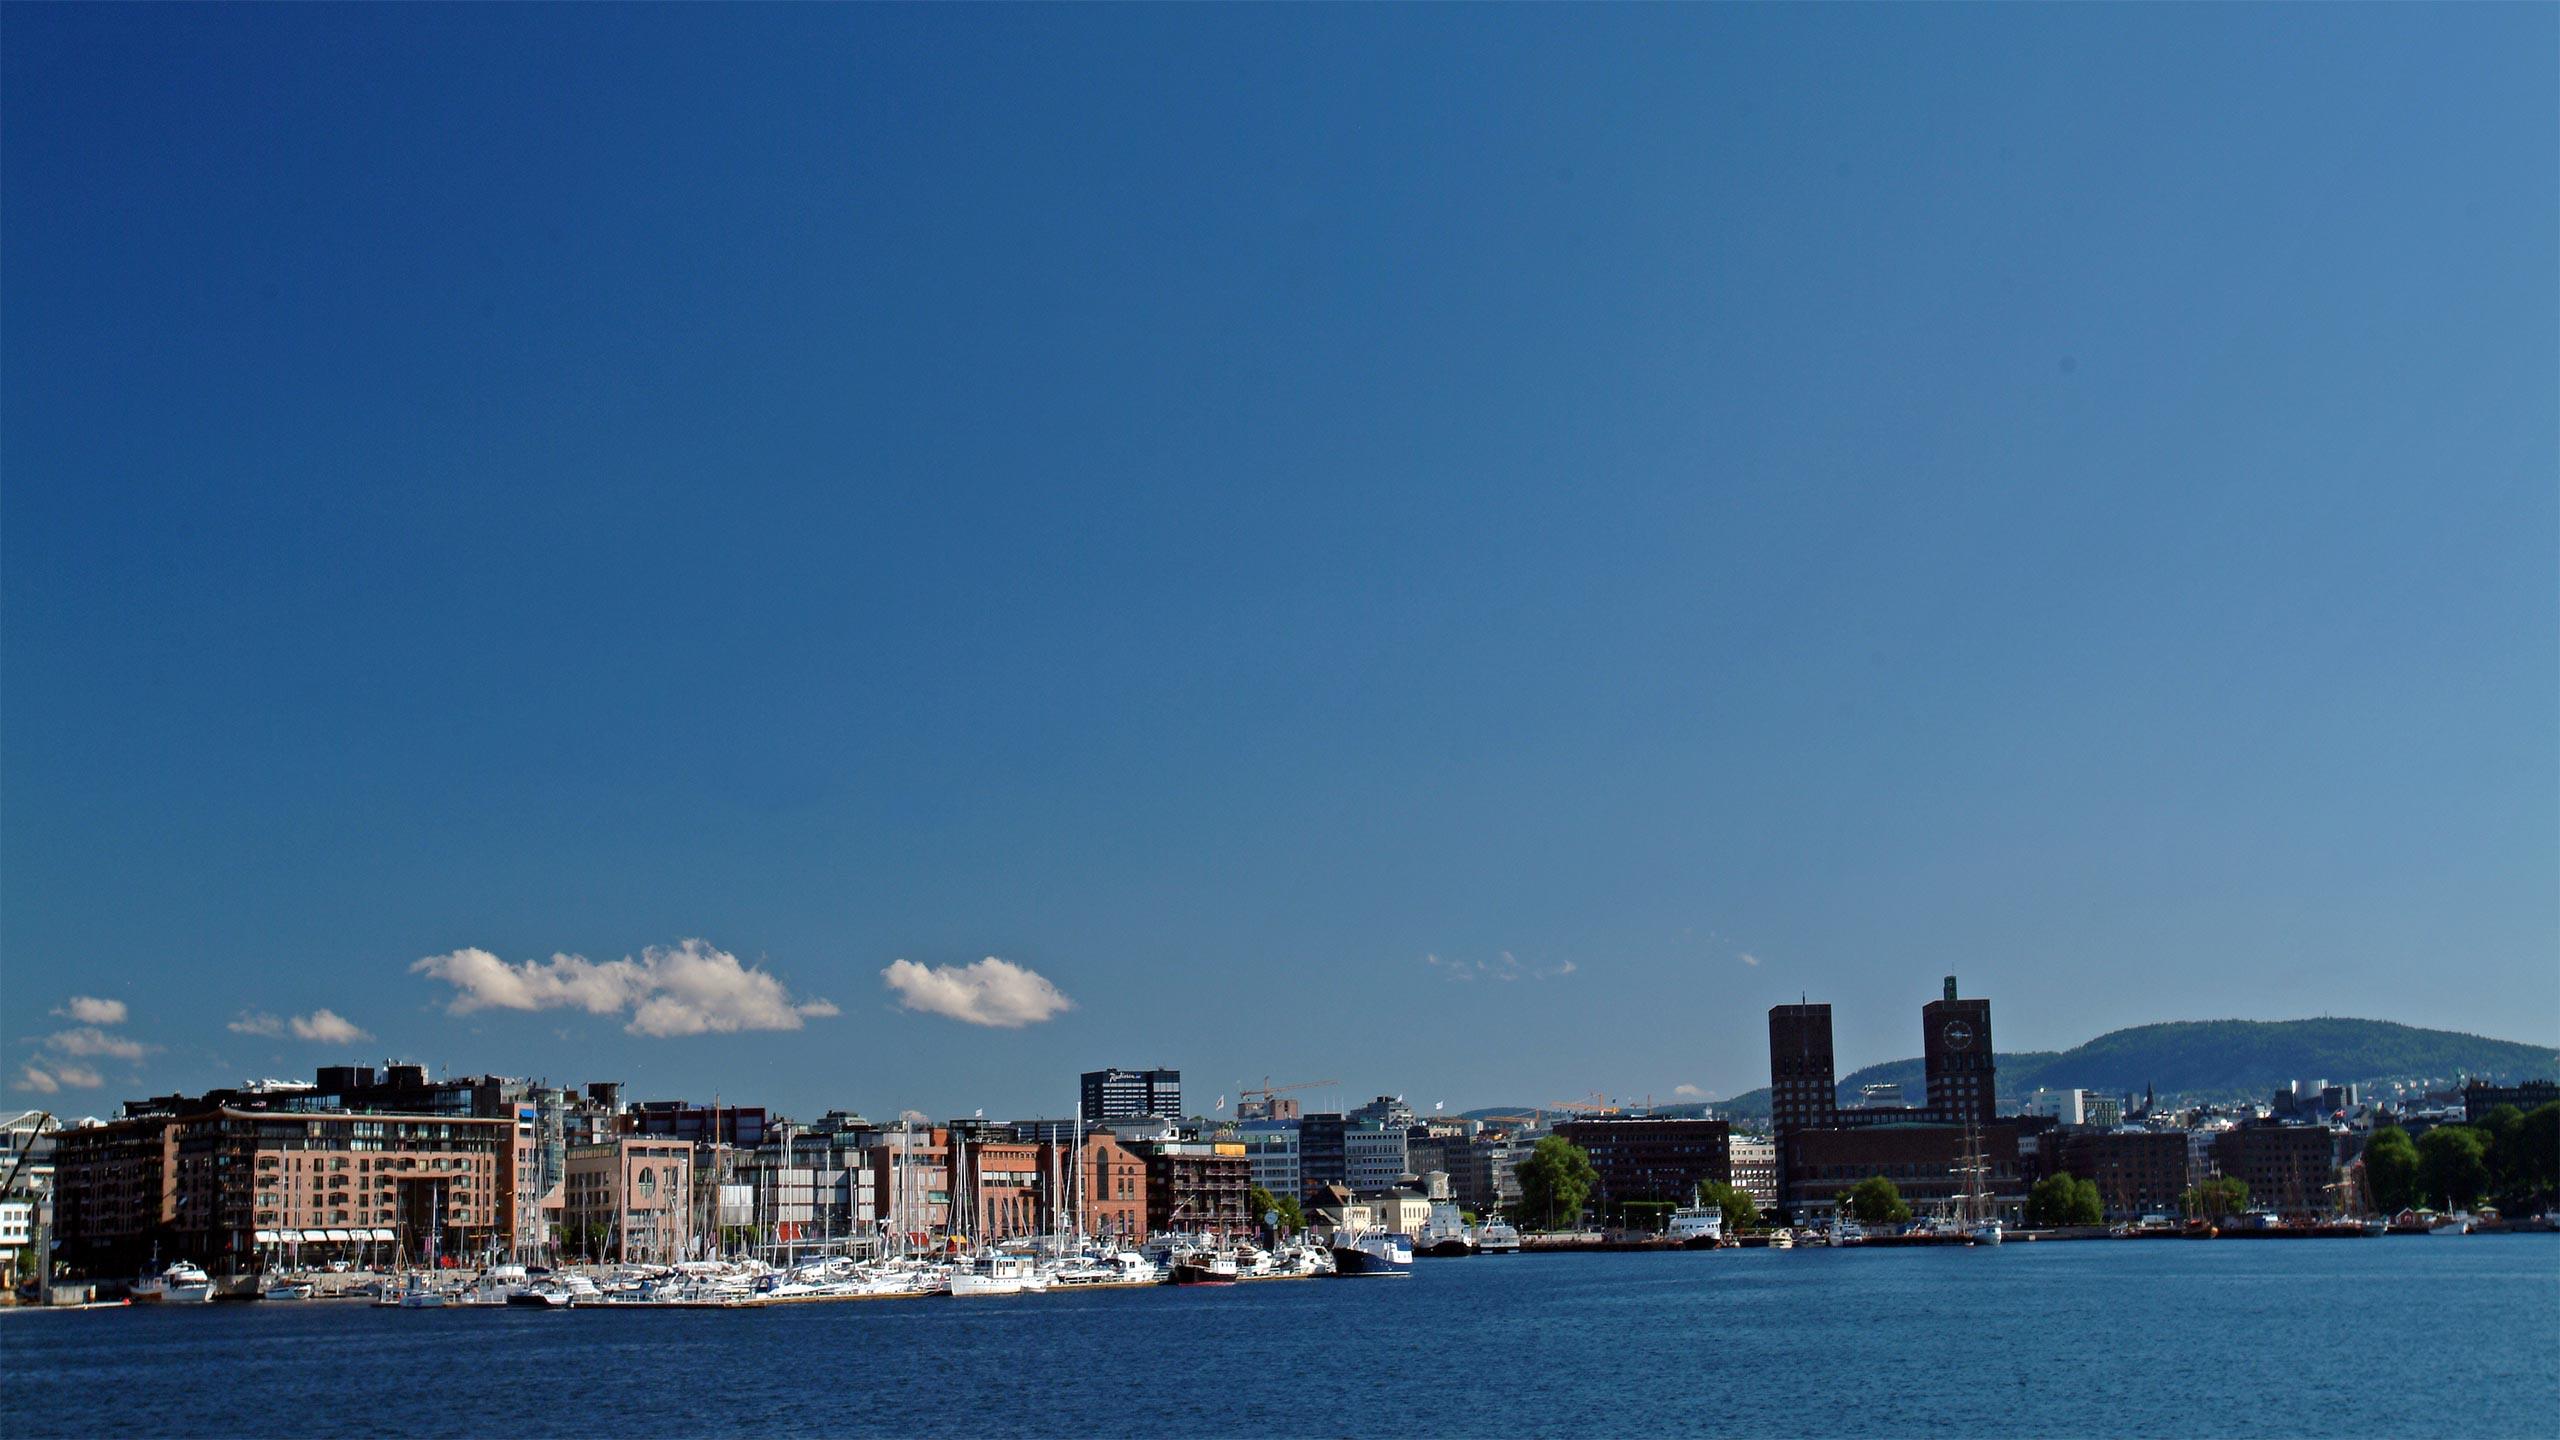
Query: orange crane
{"points": [[1254, 1101]]}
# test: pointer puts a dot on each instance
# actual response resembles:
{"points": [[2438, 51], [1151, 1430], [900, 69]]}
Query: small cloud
{"points": [[1688, 1092], [1747, 958], [90, 1040], [914, 1117], [90, 1010], [328, 1027], [991, 992], [691, 988], [53, 1075], [1506, 967], [250, 1022]]}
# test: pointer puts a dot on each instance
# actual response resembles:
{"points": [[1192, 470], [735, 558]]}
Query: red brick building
{"points": [[2137, 1173]]}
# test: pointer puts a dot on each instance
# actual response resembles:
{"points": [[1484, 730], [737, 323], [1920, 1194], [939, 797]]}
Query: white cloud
{"points": [[90, 1010], [251, 1022], [1688, 1092], [1505, 967], [90, 1040], [991, 992], [329, 1027], [690, 988], [1747, 958], [52, 1075]]}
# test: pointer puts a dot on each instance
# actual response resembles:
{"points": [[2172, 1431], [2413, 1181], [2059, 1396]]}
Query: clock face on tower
{"points": [[1959, 1035]]}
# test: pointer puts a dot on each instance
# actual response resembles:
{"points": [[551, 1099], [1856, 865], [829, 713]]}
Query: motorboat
{"points": [[183, 1283], [999, 1273], [1497, 1237], [287, 1290], [1986, 1232]]}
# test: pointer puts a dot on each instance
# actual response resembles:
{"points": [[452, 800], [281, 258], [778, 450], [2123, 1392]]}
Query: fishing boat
{"points": [[1204, 1267], [1369, 1253]]}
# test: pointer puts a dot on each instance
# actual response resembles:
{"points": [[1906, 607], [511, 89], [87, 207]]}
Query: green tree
{"points": [[2453, 1166], [2060, 1200], [2391, 1169], [1260, 1202], [1876, 1201], [2502, 1137], [1554, 1182], [2217, 1199], [2538, 1152], [1741, 1212]]}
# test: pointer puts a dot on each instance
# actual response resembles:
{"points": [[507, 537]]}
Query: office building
{"points": [[1132, 1094]]}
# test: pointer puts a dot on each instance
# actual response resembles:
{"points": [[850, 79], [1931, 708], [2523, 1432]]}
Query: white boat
{"points": [[999, 1273], [1985, 1233], [1782, 1239], [1496, 1237], [287, 1290], [1701, 1225], [183, 1283], [2454, 1224]]}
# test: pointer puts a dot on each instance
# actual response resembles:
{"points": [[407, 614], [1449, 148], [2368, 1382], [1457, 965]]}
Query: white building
{"points": [[1755, 1169], [1373, 1156], [1272, 1147], [2071, 1107]]}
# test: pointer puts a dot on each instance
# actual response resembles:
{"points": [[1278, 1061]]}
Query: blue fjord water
{"points": [[2407, 1336]]}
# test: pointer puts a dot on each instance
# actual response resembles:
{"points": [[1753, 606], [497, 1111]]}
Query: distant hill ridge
{"points": [[2214, 1058]]}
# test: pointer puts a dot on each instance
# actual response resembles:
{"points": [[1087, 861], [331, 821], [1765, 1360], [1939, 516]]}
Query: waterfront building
{"points": [[630, 1199], [1956, 1054], [1920, 1159], [2137, 1172], [1128, 1094], [1199, 1187], [1271, 1147], [2479, 1097], [17, 1230], [1398, 1210], [220, 1184], [1804, 1092], [1753, 1161], [1651, 1159], [1114, 1187], [1003, 1185], [911, 1173], [2288, 1168], [1374, 1155]]}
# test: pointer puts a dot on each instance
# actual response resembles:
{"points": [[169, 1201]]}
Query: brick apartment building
{"points": [[2137, 1173], [1650, 1159]]}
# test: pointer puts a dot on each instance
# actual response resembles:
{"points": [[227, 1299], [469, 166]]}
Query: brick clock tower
{"points": [[1956, 1048]]}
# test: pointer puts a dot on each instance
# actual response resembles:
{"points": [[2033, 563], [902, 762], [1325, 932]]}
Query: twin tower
{"points": [[1955, 1038]]}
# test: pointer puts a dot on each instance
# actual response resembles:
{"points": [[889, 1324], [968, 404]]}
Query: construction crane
{"points": [[1254, 1102], [10, 1183], [1598, 1104]]}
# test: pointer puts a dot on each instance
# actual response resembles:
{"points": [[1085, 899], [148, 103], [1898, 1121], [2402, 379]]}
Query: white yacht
{"points": [[183, 1283], [1497, 1237], [999, 1273]]}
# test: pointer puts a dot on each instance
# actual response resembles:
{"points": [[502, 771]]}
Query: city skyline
{"points": [[894, 558]]}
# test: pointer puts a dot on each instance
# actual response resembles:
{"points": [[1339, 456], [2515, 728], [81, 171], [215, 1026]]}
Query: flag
{"points": [[978, 1114], [1436, 1104], [1222, 1102]]}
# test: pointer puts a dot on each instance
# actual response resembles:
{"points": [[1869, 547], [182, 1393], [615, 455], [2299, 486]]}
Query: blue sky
{"points": [[1464, 551]]}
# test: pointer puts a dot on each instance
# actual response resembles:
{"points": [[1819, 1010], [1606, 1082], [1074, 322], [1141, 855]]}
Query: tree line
{"points": [[2507, 1156]]}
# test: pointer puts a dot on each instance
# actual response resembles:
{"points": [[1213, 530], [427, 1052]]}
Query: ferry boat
{"points": [[1699, 1226], [1496, 1237], [1445, 1233], [1369, 1253]]}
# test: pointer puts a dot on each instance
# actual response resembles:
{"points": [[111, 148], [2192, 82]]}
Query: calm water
{"points": [[2442, 1336]]}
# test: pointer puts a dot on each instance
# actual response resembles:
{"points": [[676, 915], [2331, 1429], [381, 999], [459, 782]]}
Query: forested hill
{"points": [[2229, 1059]]}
